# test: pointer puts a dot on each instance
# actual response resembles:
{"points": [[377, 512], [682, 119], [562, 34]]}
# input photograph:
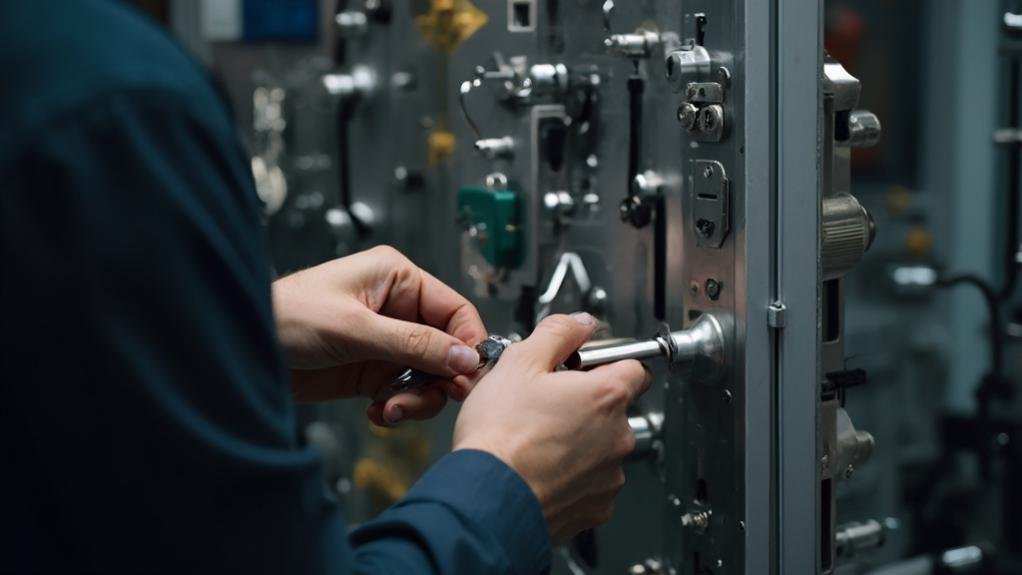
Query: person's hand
{"points": [[349, 326], [566, 433]]}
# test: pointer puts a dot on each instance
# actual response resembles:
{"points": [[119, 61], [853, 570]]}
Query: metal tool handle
{"points": [[700, 347]]}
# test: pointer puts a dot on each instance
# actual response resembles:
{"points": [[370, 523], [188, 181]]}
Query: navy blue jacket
{"points": [[145, 418]]}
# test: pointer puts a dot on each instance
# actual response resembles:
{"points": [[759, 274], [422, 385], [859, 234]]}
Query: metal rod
{"points": [[700, 348], [604, 352]]}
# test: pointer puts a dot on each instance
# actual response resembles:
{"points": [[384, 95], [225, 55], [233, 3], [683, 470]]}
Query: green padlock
{"points": [[494, 214]]}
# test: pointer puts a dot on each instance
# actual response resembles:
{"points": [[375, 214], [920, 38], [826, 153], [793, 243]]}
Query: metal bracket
{"points": [[701, 114], [711, 203], [777, 315], [705, 93]]}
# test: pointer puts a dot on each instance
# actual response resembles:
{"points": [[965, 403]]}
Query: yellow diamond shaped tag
{"points": [[449, 23]]}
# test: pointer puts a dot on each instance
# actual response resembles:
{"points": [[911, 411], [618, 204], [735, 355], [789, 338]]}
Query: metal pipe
{"points": [[602, 352]]}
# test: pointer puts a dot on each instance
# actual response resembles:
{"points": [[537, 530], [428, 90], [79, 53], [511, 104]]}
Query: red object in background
{"points": [[845, 30], [844, 39]]}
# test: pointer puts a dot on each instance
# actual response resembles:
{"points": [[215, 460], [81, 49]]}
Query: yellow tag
{"points": [[441, 146], [449, 23]]}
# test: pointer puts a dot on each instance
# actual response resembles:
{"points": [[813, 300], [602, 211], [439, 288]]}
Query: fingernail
{"points": [[462, 359], [583, 318], [395, 416]]}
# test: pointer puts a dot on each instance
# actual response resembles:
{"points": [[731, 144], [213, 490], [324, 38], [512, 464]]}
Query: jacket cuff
{"points": [[492, 496]]}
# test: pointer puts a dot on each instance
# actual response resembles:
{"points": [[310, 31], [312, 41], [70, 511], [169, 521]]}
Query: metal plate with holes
{"points": [[710, 202]]}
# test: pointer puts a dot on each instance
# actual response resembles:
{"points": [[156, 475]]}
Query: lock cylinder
{"points": [[848, 232]]}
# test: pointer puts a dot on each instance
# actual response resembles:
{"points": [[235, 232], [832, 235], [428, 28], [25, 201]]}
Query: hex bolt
{"points": [[713, 288], [705, 228]]}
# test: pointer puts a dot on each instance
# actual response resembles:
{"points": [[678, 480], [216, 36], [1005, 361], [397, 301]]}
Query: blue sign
{"points": [[285, 20]]}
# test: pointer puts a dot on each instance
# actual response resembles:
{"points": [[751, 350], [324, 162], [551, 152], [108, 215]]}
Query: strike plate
{"points": [[711, 203]]}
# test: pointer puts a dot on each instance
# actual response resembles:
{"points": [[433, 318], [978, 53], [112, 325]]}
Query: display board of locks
{"points": [[561, 155]]}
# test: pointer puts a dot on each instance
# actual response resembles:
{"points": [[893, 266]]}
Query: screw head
{"points": [[849, 472], [636, 212], [707, 119], [705, 227], [728, 397], [713, 288], [687, 114], [723, 75], [708, 172]]}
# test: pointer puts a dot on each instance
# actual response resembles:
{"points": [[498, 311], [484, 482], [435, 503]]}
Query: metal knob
{"points": [[648, 184], [646, 429], [853, 538], [700, 349], [848, 232], [639, 44], [864, 129], [351, 23], [359, 82], [689, 64], [548, 78], [559, 203], [493, 148]]}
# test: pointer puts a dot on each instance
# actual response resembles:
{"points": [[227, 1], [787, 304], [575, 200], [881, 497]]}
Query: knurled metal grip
{"points": [[848, 232]]}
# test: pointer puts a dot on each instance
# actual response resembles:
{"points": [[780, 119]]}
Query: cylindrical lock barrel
{"points": [[848, 232]]}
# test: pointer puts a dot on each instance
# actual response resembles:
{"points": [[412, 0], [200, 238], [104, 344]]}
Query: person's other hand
{"points": [[566, 432], [349, 326]]}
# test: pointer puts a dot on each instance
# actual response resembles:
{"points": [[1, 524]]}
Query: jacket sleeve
{"points": [[145, 411], [470, 513]]}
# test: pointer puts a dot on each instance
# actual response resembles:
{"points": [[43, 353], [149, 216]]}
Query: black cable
{"points": [[636, 87], [993, 310], [993, 383], [635, 209], [345, 111]]}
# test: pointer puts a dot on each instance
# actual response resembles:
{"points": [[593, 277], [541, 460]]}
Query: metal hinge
{"points": [[777, 315]]}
